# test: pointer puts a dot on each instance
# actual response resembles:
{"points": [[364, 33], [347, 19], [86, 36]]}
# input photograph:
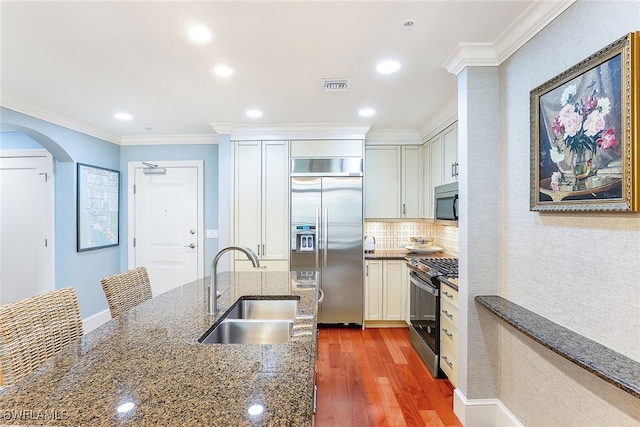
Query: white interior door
{"points": [[167, 235], [26, 224]]}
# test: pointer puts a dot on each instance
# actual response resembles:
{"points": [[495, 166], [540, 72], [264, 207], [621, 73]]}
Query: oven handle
{"points": [[422, 286]]}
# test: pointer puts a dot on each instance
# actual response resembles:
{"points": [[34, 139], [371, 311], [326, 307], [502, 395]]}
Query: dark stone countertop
{"points": [[613, 367], [150, 356], [386, 254]]}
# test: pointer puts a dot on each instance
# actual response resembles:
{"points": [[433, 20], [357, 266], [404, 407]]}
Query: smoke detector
{"points": [[335, 85]]}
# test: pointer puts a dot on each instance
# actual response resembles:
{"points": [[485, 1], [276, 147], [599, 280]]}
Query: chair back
{"points": [[126, 290], [34, 329]]}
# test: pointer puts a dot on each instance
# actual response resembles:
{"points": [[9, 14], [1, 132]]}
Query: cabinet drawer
{"points": [[447, 293], [449, 365], [450, 312], [448, 335]]}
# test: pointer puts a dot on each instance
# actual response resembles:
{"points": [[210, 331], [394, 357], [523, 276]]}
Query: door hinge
{"points": [[134, 242]]}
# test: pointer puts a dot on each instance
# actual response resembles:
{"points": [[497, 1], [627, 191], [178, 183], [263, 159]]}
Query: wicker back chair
{"points": [[126, 290], [35, 329]]}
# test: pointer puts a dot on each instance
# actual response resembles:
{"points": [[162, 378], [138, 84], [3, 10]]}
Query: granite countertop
{"points": [[613, 367], [150, 356], [386, 254]]}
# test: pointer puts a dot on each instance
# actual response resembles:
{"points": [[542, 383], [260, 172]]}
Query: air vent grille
{"points": [[336, 85]]}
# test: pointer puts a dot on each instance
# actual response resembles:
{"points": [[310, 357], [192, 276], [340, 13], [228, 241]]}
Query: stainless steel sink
{"points": [[255, 320], [236, 331], [263, 309]]}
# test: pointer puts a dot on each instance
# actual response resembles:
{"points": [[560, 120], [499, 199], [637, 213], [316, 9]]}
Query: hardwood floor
{"points": [[374, 377]]}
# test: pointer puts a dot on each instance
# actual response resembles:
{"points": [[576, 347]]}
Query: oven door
{"points": [[424, 316]]}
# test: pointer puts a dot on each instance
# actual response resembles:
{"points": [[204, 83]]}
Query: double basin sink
{"points": [[255, 320]]}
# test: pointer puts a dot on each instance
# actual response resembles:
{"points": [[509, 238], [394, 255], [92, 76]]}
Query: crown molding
{"points": [[393, 136], [522, 29], [15, 104], [274, 131], [169, 139]]}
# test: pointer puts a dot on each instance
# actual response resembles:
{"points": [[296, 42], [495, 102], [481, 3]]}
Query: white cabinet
{"points": [[444, 156], [392, 181], [261, 202], [449, 332], [386, 289], [426, 190]]}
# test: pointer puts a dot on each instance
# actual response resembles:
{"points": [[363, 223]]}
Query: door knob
{"points": [[192, 231], [190, 246]]}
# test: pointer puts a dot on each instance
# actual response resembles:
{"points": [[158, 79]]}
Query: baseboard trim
{"points": [[483, 412], [385, 324], [98, 319]]}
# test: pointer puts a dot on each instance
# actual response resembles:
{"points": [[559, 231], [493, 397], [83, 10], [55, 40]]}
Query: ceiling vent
{"points": [[336, 85]]}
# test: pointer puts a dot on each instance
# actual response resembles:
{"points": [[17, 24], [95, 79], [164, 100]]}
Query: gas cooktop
{"points": [[436, 266]]}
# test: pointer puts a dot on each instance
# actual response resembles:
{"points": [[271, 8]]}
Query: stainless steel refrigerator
{"points": [[327, 234]]}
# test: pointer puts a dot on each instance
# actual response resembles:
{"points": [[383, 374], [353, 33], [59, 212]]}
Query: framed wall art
{"points": [[585, 136], [98, 207]]}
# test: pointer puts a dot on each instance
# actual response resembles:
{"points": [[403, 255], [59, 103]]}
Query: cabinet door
{"points": [[450, 154], [411, 181], [275, 200], [247, 195], [382, 182], [373, 290], [393, 294], [436, 160], [426, 191]]}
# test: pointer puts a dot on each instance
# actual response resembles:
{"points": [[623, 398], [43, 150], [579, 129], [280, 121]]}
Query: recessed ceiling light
{"points": [[199, 33], [125, 407], [123, 116], [387, 67], [222, 70], [367, 112], [254, 113]]}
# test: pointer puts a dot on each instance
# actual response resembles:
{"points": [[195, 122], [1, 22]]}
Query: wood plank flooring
{"points": [[374, 377]]}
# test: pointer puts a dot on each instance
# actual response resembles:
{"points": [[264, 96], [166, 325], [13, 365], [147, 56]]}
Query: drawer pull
{"points": [[446, 313], [447, 333], [448, 295], [447, 361]]}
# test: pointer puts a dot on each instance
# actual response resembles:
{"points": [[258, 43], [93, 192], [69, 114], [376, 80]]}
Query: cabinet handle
{"points": [[447, 333], [447, 294], [447, 361], [457, 171], [258, 250], [404, 209], [453, 170], [263, 251], [446, 313], [366, 268]]}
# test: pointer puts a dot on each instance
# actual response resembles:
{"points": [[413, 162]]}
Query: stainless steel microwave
{"points": [[446, 204]]}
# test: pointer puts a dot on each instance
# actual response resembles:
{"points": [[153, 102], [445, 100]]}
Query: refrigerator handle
{"points": [[325, 231], [317, 245]]}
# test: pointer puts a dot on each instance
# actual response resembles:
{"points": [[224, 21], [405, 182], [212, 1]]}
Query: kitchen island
{"points": [[146, 367]]}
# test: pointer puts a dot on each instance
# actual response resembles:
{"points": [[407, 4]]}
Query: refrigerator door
{"points": [[306, 204], [341, 250]]}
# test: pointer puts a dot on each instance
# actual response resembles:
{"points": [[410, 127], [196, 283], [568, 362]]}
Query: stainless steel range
{"points": [[425, 306]]}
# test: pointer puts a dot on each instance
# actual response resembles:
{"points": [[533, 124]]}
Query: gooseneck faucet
{"points": [[213, 286]]}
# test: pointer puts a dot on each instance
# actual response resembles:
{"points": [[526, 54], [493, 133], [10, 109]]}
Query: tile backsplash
{"points": [[392, 235]]}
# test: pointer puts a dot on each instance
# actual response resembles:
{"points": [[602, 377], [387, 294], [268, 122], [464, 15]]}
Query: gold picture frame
{"points": [[585, 134]]}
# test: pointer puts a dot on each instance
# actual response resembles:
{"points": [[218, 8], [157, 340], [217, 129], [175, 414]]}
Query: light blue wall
{"points": [[84, 270], [80, 270], [155, 153]]}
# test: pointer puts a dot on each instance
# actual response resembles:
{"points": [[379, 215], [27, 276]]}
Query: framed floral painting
{"points": [[585, 134]]}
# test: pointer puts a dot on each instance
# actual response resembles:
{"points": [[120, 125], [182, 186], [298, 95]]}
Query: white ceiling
{"points": [[82, 62]]}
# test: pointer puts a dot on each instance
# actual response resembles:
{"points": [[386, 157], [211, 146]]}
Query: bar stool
{"points": [[126, 290], [37, 328]]}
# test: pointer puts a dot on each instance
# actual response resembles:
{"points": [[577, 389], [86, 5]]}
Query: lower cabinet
{"points": [[449, 332], [386, 286]]}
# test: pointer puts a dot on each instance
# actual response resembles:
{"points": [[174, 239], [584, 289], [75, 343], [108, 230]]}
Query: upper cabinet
{"points": [[261, 207], [392, 181], [444, 156]]}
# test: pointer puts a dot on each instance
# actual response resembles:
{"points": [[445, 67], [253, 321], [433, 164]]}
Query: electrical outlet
{"points": [[212, 234]]}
